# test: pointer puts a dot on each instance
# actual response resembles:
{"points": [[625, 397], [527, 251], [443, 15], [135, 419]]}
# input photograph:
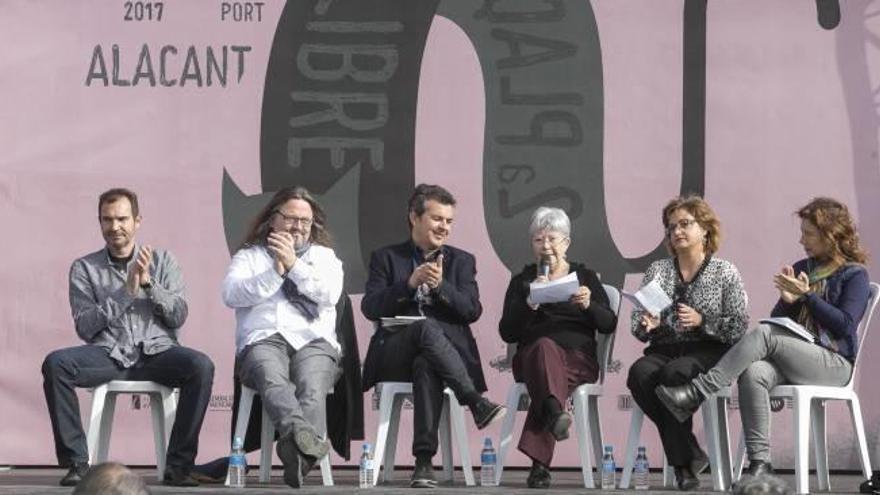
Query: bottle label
{"points": [[236, 460], [487, 459]]}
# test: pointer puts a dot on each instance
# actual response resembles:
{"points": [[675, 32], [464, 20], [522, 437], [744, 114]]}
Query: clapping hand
{"points": [[280, 246], [791, 288]]}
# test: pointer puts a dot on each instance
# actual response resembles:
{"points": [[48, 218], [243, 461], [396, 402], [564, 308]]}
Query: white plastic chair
{"points": [[809, 410], [163, 407], [267, 438], [585, 399], [391, 398], [714, 410]]}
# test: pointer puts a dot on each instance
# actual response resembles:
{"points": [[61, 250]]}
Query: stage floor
{"points": [[44, 481]]}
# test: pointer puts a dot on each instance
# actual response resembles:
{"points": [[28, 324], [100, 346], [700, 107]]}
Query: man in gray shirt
{"points": [[128, 306]]}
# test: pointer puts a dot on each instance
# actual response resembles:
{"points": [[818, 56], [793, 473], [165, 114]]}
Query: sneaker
{"points": [[175, 476], [423, 475], [75, 474], [560, 426], [487, 412], [289, 453], [539, 476]]}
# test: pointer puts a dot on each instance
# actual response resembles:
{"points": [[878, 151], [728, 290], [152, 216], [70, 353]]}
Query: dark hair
{"points": [[703, 214], [259, 229], [117, 193], [837, 228], [425, 192], [111, 478]]}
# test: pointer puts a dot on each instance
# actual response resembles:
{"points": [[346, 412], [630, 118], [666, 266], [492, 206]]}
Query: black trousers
{"points": [[671, 365], [421, 353], [90, 366]]}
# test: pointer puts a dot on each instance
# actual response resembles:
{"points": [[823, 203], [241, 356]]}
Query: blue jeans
{"points": [[88, 366]]}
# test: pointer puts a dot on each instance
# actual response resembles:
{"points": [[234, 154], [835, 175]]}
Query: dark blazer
{"points": [[839, 311], [456, 303], [345, 407]]}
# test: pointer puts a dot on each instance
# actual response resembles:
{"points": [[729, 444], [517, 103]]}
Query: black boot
{"points": [[685, 479], [682, 400], [871, 485]]}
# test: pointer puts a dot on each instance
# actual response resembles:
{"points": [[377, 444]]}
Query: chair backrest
{"points": [[865, 324], [605, 341]]}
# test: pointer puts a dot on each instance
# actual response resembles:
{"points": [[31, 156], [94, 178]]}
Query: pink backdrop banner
{"points": [[789, 113]]}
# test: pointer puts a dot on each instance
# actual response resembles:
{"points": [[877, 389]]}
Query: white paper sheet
{"points": [[554, 291], [792, 326], [650, 298]]}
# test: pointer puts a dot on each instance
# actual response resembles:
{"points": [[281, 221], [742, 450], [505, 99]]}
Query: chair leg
{"points": [[820, 451], [740, 457], [99, 396], [386, 402], [326, 468], [106, 428], [632, 440], [393, 430], [855, 412], [506, 437], [157, 413], [723, 440], [802, 443], [584, 438], [267, 437], [445, 434], [711, 414], [245, 403], [459, 433], [596, 428]]}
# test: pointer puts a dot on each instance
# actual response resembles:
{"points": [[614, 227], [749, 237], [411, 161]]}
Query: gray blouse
{"points": [[717, 294]]}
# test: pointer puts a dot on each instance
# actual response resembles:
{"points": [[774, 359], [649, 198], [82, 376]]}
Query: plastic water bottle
{"points": [[237, 465], [366, 467], [640, 470], [487, 464], [609, 469]]}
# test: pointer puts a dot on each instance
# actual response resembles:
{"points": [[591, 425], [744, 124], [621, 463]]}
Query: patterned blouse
{"points": [[717, 293]]}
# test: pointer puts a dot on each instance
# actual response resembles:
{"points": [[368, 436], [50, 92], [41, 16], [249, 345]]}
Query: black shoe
{"points": [[539, 476], [759, 468], [175, 476], [560, 426], [682, 400], [871, 485], [685, 479], [423, 474], [75, 474], [486, 412], [212, 472], [289, 453], [700, 461]]}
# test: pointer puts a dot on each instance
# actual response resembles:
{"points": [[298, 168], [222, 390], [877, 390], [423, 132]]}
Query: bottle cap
{"points": [[237, 443], [366, 446], [487, 442]]}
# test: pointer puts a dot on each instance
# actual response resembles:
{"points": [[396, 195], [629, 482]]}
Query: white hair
{"points": [[551, 219]]}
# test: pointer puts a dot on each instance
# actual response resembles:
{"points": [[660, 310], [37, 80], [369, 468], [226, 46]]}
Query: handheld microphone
{"points": [[545, 266]]}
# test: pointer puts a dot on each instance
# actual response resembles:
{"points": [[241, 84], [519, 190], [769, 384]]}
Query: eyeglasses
{"points": [[681, 224], [552, 239], [290, 220]]}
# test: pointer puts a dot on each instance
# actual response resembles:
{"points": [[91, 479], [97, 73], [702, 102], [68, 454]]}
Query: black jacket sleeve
{"points": [[461, 299], [599, 313], [516, 315], [384, 296]]}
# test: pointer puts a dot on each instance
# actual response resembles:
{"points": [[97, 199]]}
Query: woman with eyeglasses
{"points": [[707, 316], [827, 294], [556, 341]]}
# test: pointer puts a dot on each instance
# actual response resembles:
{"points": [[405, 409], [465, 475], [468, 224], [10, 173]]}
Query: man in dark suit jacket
{"points": [[424, 276]]}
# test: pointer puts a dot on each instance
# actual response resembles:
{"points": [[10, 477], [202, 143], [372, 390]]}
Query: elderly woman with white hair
{"points": [[556, 342]]}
